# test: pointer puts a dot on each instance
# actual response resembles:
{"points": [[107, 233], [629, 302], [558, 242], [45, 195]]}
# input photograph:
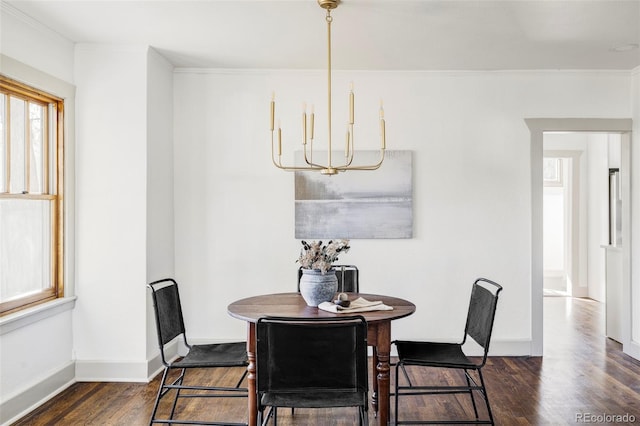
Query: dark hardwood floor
{"points": [[582, 375]]}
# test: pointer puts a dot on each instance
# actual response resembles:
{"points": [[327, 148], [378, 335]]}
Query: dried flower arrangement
{"points": [[314, 255]]}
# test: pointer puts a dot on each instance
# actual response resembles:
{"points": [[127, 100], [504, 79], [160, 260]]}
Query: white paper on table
{"points": [[358, 305]]}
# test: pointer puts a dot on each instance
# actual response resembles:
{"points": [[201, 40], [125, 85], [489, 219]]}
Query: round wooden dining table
{"points": [[293, 305]]}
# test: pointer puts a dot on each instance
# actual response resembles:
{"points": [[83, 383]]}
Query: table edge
{"points": [[408, 307]]}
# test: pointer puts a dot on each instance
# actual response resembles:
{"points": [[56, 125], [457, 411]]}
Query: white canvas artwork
{"points": [[357, 204]]}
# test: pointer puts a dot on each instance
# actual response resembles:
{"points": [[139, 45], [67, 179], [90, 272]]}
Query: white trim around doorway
{"points": [[537, 127]]}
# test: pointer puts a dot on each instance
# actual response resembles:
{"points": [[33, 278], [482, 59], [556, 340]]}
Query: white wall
{"points": [[634, 332], [43, 59], [160, 218], [598, 214], [160, 235], [111, 218], [234, 210], [554, 238]]}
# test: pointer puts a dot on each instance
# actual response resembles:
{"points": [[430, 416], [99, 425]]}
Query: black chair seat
{"points": [[430, 354], [312, 398], [215, 355]]}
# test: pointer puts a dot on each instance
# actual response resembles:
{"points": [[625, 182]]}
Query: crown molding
{"points": [[8, 9]]}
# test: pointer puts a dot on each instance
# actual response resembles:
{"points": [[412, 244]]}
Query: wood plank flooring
{"points": [[582, 375]]}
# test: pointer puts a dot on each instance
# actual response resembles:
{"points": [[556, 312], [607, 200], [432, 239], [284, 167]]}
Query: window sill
{"points": [[23, 318]]}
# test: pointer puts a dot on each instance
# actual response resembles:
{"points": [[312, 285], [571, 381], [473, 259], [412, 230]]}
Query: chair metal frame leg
{"points": [[473, 400], [162, 391], [158, 396], [262, 420], [485, 395], [259, 417], [364, 416], [178, 386], [244, 375], [177, 382], [415, 390]]}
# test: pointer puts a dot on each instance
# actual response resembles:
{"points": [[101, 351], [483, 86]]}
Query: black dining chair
{"points": [[170, 326], [311, 363], [418, 354], [348, 278]]}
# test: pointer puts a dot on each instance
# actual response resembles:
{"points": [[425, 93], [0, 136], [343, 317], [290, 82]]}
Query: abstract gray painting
{"points": [[357, 204]]}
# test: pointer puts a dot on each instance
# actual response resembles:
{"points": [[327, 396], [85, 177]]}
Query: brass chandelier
{"points": [[329, 168]]}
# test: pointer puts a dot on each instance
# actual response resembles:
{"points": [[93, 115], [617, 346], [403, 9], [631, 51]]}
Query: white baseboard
{"points": [[510, 348], [134, 371], [110, 371], [103, 371], [500, 348], [154, 366], [36, 394]]}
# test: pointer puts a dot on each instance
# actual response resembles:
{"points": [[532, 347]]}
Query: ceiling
{"points": [[367, 34]]}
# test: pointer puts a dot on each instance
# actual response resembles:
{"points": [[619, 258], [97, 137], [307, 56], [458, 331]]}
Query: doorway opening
{"points": [[578, 213], [558, 207], [578, 284]]}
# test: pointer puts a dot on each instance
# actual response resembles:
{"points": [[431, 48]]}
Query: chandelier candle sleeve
{"points": [[279, 139], [346, 146], [382, 128], [304, 124], [273, 110], [311, 119], [351, 99]]}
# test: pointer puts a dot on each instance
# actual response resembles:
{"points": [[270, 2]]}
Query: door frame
{"points": [[537, 127]]}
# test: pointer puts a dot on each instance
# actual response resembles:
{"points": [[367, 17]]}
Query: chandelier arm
{"points": [[278, 162], [375, 166], [310, 165], [310, 161], [300, 168], [306, 160], [273, 156], [316, 166]]}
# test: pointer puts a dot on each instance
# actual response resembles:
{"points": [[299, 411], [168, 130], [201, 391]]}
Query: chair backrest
{"points": [[168, 311], [296, 355], [348, 278], [482, 311]]}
